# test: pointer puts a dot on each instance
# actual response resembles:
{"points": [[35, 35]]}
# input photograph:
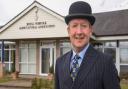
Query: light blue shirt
{"points": [[81, 54]]}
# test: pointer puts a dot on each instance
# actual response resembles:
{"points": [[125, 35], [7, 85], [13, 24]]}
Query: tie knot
{"points": [[77, 57]]}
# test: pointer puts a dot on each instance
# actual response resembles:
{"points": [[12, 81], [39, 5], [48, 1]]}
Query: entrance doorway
{"points": [[47, 59]]}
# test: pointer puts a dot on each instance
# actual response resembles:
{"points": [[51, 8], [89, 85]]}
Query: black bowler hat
{"points": [[80, 9]]}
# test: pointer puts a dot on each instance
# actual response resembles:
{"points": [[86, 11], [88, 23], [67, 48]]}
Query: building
{"points": [[37, 36]]}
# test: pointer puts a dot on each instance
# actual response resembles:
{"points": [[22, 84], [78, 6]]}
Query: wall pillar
{"points": [[37, 57], [2, 65], [57, 48], [1, 70]]}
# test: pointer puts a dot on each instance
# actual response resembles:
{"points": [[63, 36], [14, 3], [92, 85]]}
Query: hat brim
{"points": [[90, 18]]}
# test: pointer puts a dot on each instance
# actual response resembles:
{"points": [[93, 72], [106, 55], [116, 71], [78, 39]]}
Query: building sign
{"points": [[37, 25]]}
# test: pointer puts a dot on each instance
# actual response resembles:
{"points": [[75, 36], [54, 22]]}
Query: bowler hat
{"points": [[80, 9]]}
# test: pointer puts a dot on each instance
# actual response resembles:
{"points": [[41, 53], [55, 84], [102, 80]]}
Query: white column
{"points": [[118, 59]]}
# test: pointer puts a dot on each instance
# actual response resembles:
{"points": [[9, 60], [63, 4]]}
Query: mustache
{"points": [[80, 36]]}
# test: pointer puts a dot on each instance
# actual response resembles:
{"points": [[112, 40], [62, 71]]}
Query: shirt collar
{"points": [[82, 53]]}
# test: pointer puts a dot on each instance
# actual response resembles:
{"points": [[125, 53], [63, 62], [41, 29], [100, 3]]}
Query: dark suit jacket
{"points": [[97, 71]]}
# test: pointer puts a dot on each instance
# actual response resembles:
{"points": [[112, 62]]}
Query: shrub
{"points": [[51, 69], [124, 75], [39, 83]]}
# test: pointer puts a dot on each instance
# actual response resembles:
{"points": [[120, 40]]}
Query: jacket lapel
{"points": [[87, 64], [66, 67]]}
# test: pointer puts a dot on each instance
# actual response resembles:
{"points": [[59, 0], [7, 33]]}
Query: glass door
{"points": [[47, 59]]}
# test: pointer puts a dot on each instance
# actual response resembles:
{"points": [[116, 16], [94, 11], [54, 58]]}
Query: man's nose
{"points": [[79, 30]]}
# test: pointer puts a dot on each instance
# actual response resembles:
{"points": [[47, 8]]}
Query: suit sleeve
{"points": [[56, 76], [110, 76]]}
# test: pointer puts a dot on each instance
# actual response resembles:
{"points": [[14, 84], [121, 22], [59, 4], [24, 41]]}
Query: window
{"points": [[64, 50], [123, 52], [111, 52], [124, 55], [23, 54], [9, 53], [32, 52], [98, 46], [64, 47], [0, 55], [123, 44], [124, 69], [123, 49], [107, 48], [110, 44], [6, 55], [28, 57]]}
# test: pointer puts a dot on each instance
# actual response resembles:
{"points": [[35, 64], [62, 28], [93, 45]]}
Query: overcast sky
{"points": [[10, 8]]}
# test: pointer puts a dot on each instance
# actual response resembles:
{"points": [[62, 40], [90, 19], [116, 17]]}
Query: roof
{"points": [[111, 23], [1, 27]]}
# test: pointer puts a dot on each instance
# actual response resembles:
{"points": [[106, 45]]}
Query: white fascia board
{"points": [[113, 38], [7, 42], [93, 37]]}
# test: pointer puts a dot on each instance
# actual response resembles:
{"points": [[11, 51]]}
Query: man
{"points": [[84, 67]]}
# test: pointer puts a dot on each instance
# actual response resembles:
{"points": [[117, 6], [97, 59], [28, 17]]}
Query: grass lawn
{"points": [[124, 86], [124, 83]]}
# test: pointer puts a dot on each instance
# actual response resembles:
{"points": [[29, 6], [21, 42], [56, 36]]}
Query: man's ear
{"points": [[91, 34], [91, 28]]}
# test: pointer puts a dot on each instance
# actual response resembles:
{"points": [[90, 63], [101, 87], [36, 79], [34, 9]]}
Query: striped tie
{"points": [[75, 67]]}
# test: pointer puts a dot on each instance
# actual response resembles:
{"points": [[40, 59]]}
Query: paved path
{"points": [[12, 88]]}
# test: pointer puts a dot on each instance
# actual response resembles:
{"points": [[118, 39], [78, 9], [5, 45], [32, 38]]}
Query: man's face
{"points": [[79, 31]]}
